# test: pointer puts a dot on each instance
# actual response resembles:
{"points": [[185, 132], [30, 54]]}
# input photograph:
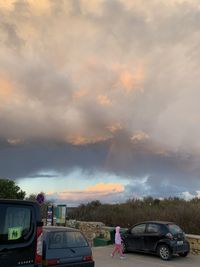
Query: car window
{"points": [[153, 228], [56, 240], [66, 239], [138, 229], [174, 229], [15, 224]]}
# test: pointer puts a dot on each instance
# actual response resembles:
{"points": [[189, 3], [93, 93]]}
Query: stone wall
{"points": [[90, 229], [194, 241]]}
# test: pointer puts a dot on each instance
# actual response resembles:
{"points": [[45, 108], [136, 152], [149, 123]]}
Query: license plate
{"points": [[179, 242]]}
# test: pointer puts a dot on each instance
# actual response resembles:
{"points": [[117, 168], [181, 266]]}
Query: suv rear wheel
{"points": [[164, 252]]}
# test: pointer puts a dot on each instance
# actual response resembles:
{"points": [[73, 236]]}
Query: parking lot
{"points": [[102, 258]]}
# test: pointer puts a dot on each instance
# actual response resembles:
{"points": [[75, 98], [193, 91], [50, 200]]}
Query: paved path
{"points": [[102, 259]]}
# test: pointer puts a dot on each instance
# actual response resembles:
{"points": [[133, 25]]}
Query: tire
{"points": [[183, 254], [164, 252], [124, 248]]}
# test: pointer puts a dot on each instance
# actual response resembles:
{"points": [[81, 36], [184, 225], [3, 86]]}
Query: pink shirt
{"points": [[118, 239]]}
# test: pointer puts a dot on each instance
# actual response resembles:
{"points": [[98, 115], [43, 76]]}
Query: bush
{"points": [[184, 213]]}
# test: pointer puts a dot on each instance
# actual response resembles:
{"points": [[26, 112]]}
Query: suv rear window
{"points": [[174, 229], [15, 224], [66, 239]]}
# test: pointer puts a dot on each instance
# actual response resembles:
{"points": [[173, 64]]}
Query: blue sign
{"points": [[40, 198]]}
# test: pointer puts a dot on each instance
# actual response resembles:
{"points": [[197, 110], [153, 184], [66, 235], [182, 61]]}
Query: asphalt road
{"points": [[102, 259]]}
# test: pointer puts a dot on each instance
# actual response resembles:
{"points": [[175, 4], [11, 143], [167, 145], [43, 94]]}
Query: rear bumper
{"points": [[79, 264]]}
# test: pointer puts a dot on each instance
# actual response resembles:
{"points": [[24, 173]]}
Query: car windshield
{"points": [[174, 229], [67, 239]]}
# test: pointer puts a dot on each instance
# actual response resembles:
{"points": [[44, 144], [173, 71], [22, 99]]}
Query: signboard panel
{"points": [[60, 214]]}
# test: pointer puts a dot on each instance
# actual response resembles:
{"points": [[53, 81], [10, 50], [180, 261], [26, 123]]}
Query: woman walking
{"points": [[118, 244]]}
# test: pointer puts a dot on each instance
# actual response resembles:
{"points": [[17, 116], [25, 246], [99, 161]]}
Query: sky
{"points": [[100, 99]]}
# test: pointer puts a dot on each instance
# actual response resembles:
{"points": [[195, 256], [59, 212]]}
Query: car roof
{"points": [[157, 222], [59, 228], [18, 201]]}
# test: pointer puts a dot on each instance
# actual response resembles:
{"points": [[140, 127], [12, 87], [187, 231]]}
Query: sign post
{"points": [[49, 215]]}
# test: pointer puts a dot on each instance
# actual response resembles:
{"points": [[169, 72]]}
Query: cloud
{"points": [[105, 192], [104, 100], [110, 86], [60, 97]]}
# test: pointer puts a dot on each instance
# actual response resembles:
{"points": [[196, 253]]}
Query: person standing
{"points": [[118, 244]]}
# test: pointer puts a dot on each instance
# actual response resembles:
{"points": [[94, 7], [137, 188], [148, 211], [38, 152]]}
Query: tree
{"points": [[9, 190]]}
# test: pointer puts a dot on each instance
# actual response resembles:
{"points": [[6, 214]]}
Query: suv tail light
{"points": [[169, 235], [87, 258], [38, 249], [50, 262]]}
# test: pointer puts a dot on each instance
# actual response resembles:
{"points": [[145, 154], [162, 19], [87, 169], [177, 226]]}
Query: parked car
{"points": [[65, 247], [162, 238], [20, 233]]}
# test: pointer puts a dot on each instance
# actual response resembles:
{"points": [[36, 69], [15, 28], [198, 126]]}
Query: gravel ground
{"points": [[102, 259]]}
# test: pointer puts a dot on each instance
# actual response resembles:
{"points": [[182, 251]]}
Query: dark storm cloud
{"points": [[30, 159], [150, 173]]}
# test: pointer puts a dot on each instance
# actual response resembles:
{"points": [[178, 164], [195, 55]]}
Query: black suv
{"points": [[162, 238]]}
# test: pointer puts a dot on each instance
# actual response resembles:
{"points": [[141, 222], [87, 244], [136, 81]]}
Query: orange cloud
{"points": [[36, 5], [92, 192], [104, 100], [129, 80], [83, 140], [80, 93], [105, 188], [114, 127], [6, 88], [78, 140], [9, 94], [139, 136]]}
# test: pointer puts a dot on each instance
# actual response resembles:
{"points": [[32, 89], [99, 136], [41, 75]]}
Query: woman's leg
{"points": [[120, 251], [115, 250]]}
